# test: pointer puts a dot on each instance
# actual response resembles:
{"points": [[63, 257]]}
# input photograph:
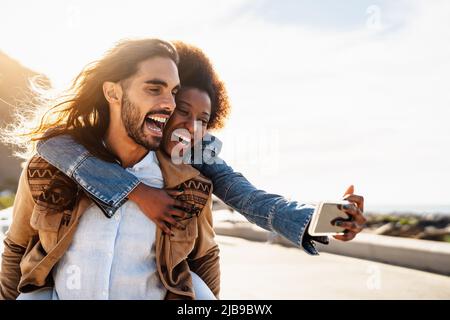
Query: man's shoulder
{"points": [[48, 185]]}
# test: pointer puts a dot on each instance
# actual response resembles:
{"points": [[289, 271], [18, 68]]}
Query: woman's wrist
{"points": [[137, 193]]}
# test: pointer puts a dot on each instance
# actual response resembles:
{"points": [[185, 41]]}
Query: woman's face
{"points": [[192, 112]]}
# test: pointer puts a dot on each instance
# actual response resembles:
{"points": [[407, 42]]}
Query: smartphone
{"points": [[323, 215]]}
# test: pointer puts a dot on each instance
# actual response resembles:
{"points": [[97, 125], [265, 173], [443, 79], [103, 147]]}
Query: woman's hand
{"points": [[355, 210], [159, 206]]}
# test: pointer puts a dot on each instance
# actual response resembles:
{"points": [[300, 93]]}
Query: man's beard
{"points": [[135, 130]]}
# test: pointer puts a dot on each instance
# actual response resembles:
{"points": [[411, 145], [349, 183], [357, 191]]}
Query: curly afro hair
{"points": [[196, 71]]}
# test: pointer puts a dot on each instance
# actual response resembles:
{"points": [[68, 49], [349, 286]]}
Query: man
{"points": [[118, 111]]}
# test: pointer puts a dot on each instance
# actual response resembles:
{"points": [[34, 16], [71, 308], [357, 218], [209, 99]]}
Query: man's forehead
{"points": [[159, 67]]}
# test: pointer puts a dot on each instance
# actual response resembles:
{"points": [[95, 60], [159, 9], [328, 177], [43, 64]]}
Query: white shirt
{"points": [[114, 258]]}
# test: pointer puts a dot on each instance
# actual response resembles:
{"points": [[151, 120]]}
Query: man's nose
{"points": [[169, 103]]}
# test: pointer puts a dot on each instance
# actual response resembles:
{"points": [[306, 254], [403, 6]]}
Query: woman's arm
{"points": [[271, 212], [111, 184]]}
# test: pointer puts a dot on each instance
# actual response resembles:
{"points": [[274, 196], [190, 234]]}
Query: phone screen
{"points": [[328, 213]]}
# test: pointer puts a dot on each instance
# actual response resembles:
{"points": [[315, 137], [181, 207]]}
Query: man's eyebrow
{"points": [[206, 113], [157, 82], [160, 82]]}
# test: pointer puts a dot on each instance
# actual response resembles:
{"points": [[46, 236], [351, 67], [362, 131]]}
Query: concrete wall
{"points": [[432, 256], [423, 255]]}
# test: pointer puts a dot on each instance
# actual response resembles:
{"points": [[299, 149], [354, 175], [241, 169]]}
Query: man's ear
{"points": [[112, 92]]}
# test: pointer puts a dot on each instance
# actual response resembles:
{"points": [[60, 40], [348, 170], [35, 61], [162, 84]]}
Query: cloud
{"points": [[356, 106], [350, 103]]}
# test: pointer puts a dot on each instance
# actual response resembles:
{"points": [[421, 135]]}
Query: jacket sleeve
{"points": [[17, 238], [109, 184], [204, 259], [106, 183], [271, 212]]}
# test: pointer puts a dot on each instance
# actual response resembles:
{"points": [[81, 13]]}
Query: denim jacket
{"points": [[108, 184]]}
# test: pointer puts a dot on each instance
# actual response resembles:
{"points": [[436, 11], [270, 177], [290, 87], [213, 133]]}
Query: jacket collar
{"points": [[174, 174]]}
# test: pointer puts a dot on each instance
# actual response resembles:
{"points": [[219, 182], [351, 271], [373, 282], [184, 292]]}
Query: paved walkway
{"points": [[256, 270]]}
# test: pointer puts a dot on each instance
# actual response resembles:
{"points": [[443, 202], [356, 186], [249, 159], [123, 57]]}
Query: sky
{"points": [[325, 93]]}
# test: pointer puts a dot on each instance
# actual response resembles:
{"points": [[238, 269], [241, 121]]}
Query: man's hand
{"points": [[355, 210], [159, 206]]}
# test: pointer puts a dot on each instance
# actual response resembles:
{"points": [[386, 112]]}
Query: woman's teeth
{"points": [[182, 139]]}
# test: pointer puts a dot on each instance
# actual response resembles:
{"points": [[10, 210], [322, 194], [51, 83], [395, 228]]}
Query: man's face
{"points": [[148, 100]]}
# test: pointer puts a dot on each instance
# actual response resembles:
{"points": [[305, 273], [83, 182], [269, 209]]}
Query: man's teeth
{"points": [[154, 128], [159, 119]]}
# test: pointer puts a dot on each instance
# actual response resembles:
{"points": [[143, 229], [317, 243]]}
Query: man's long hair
{"points": [[82, 111]]}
